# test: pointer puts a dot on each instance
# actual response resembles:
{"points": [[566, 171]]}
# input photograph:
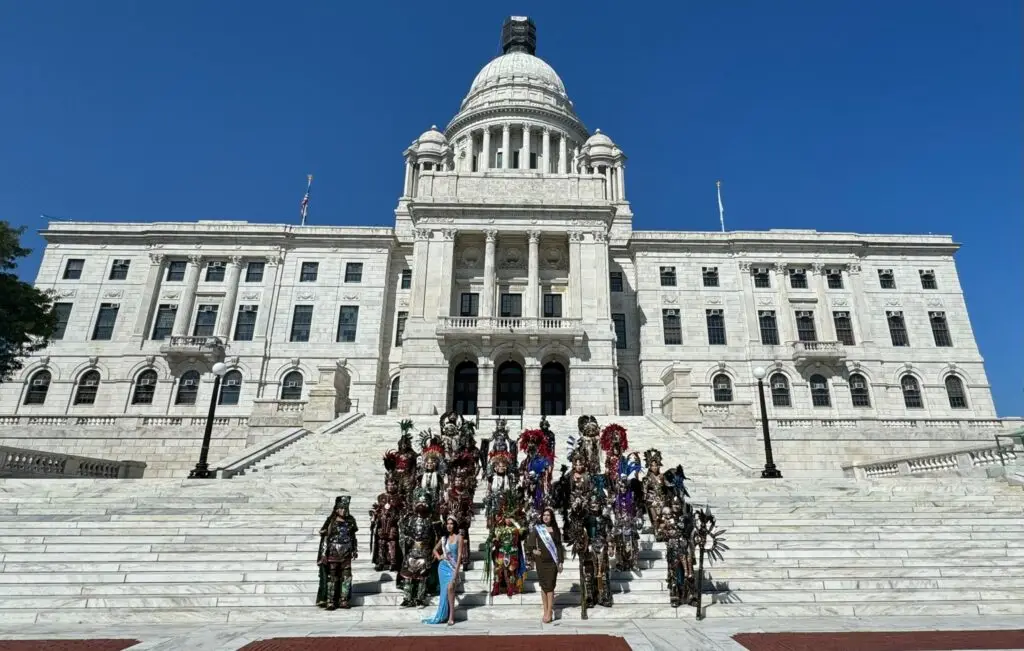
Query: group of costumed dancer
{"points": [[420, 523]]}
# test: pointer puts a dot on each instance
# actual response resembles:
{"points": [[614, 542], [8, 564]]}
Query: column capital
{"points": [[818, 268], [546, 131], [575, 236], [600, 236], [534, 236], [853, 268], [195, 259], [491, 235], [506, 126], [236, 260], [450, 233], [780, 267], [525, 126], [157, 258], [274, 260], [745, 266], [422, 234]]}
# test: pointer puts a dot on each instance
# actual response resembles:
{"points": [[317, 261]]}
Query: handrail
{"points": [[19, 462], [709, 443], [1017, 436], [960, 460]]}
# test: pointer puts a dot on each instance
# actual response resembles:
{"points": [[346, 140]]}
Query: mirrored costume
{"points": [[535, 474], [506, 563], [589, 443], [677, 523], [431, 473], [591, 546], [654, 492], [458, 499], [337, 552], [501, 485], [450, 424], [385, 520], [402, 461], [628, 517], [418, 537]]}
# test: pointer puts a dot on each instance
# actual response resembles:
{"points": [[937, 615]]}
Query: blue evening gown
{"points": [[445, 574]]}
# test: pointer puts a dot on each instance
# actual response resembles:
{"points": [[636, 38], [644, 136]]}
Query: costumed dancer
{"points": [[589, 442], [502, 441], [419, 535], [339, 549], [506, 564], [385, 521], [591, 546], [430, 474], [545, 427], [404, 460], [450, 424], [654, 491], [321, 592], [458, 500], [466, 446], [544, 548], [614, 442], [676, 523], [501, 484], [628, 498], [535, 473], [447, 553]]}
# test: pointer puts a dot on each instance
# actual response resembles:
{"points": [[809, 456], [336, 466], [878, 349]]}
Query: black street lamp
{"points": [[202, 470], [770, 471]]}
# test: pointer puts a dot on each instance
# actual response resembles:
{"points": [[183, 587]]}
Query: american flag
{"points": [[304, 206]]}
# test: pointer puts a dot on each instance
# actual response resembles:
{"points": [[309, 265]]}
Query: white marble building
{"points": [[512, 281]]}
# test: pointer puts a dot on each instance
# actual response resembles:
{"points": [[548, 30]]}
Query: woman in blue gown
{"points": [[449, 552]]}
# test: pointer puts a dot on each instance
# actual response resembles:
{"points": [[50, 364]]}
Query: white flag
{"points": [[721, 207]]}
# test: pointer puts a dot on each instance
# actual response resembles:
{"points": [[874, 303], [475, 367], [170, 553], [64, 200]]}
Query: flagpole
{"points": [[304, 206], [721, 207]]}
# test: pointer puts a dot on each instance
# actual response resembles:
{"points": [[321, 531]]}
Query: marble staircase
{"points": [[243, 550]]}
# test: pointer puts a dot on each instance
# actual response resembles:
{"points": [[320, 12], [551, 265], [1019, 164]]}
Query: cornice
{"points": [[575, 128]]}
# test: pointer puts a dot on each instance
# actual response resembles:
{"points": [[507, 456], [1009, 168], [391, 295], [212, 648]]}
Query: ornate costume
{"points": [[385, 520], [614, 443], [458, 500], [402, 461], [501, 485], [627, 511], [589, 443], [418, 537], [590, 545], [545, 427], [506, 563], [451, 426], [337, 552], [430, 474], [654, 491], [535, 474]]}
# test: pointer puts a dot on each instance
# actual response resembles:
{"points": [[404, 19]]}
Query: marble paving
{"points": [[641, 634]]}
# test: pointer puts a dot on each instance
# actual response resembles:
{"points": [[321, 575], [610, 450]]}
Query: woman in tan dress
{"points": [[544, 548]]}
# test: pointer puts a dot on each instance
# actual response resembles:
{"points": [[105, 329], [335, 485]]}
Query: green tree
{"points": [[27, 319]]}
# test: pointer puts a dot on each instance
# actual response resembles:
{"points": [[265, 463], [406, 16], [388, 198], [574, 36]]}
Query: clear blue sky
{"points": [[855, 115]]}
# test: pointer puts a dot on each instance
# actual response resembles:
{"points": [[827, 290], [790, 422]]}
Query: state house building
{"points": [[512, 281]]}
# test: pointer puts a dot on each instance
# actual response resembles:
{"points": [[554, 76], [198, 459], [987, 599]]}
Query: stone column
{"points": [[828, 325], [603, 288], [545, 151], [750, 307], [575, 309], [407, 187], [444, 301], [227, 309], [484, 386], [469, 152], [487, 300], [861, 315], [264, 317], [524, 157], [563, 154], [531, 392], [188, 296], [486, 153], [506, 146], [533, 277], [420, 250], [608, 190], [151, 297], [621, 173], [786, 319]]}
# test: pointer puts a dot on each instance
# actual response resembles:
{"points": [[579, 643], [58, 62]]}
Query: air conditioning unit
{"points": [[147, 381], [207, 308], [40, 383], [858, 385], [779, 385], [91, 383], [818, 386], [232, 383], [248, 308], [292, 384]]}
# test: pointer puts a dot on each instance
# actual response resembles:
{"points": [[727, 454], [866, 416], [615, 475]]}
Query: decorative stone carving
{"points": [[171, 295], [250, 296], [512, 258], [491, 235], [450, 233], [306, 296], [767, 301], [113, 293], [422, 234], [294, 361], [669, 298], [575, 236], [93, 361], [44, 361], [469, 258], [600, 236], [818, 268], [713, 300], [853, 268], [150, 359], [403, 302], [534, 236], [935, 302], [67, 293], [196, 259], [157, 258], [840, 302], [351, 297], [554, 257], [745, 266], [235, 260], [892, 302]]}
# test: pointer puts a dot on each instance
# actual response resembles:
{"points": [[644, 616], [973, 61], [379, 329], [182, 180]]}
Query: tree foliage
{"points": [[27, 318]]}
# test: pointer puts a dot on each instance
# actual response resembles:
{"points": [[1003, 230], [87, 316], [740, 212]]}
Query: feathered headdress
{"points": [[390, 461], [675, 480], [429, 439], [500, 455], [435, 452], [537, 438], [708, 536], [405, 425], [614, 433], [652, 456]]}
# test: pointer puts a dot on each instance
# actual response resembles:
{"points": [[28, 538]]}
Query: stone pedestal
{"points": [[325, 400], [679, 403]]}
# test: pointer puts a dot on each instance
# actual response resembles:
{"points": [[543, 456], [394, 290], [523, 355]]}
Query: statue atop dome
{"points": [[519, 34]]}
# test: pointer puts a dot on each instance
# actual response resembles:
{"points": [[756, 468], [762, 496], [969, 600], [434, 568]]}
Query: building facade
{"points": [[511, 282]]}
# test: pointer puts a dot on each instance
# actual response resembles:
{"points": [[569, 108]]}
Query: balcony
{"points": [[179, 349], [807, 352], [479, 327]]}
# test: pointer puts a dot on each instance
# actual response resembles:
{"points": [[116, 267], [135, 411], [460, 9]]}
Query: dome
{"points": [[599, 139], [518, 68], [432, 135]]}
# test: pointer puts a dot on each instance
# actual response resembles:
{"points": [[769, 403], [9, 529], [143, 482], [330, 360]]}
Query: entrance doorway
{"points": [[508, 393], [552, 389], [466, 382]]}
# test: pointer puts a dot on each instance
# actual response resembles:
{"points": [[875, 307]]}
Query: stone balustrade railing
{"points": [[123, 421], [965, 462], [971, 424], [524, 324], [21, 463]]}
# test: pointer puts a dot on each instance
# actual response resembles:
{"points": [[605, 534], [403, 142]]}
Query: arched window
{"points": [[722, 386], [859, 396], [291, 386], [230, 388], [911, 392], [780, 391], [393, 394], [88, 386], [145, 388], [955, 392], [38, 387], [820, 396], [623, 395], [188, 388]]}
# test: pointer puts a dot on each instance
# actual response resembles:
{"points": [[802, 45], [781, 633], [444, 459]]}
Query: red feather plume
{"points": [[540, 439], [612, 432]]}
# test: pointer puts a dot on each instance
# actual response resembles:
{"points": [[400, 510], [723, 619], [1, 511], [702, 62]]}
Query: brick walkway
{"points": [[887, 641], [443, 643]]}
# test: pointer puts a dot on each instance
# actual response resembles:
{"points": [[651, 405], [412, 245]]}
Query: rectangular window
{"points": [[302, 322], [897, 329], [104, 328], [769, 327], [348, 323], [206, 320], [215, 271], [844, 328], [119, 270], [515, 160], [163, 324], [834, 278], [512, 305], [176, 271], [552, 306], [668, 276], [886, 279], [400, 328], [615, 281], [928, 279], [619, 321], [798, 278], [245, 324], [716, 327], [672, 327], [469, 304], [533, 161], [940, 329], [354, 272], [497, 159], [762, 279], [805, 330], [406, 282], [709, 275], [308, 272], [73, 269], [63, 314], [254, 271]]}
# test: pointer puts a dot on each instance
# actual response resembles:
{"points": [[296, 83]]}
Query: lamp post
{"points": [[202, 470], [770, 471]]}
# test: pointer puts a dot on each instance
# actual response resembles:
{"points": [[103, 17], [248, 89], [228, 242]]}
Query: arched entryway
{"points": [[465, 383], [508, 389], [552, 389]]}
